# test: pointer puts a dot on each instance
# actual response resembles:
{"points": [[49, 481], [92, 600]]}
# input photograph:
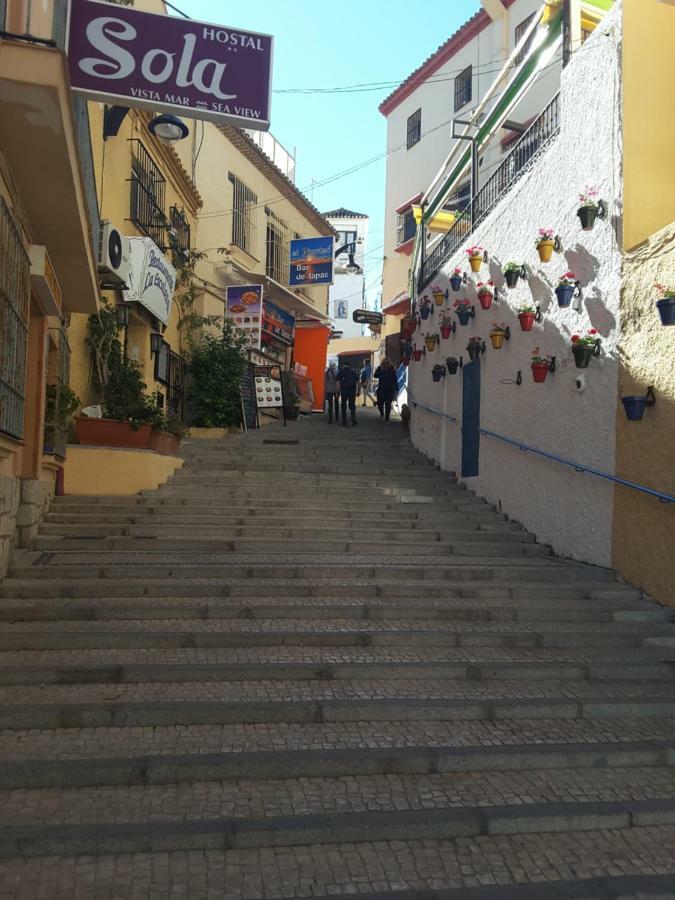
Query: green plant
{"points": [[217, 364], [569, 279], [538, 359], [586, 340], [665, 292], [60, 404], [175, 427], [124, 396], [525, 310], [188, 288], [498, 328], [102, 339], [513, 267]]}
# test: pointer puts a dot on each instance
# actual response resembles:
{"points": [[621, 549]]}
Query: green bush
{"points": [[217, 365]]}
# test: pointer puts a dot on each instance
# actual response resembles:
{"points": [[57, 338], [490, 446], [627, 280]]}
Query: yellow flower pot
{"points": [[545, 249], [439, 298], [430, 342], [475, 262], [497, 338]]}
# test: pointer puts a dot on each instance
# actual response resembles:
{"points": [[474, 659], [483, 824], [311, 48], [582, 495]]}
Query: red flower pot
{"points": [[417, 355], [111, 433], [161, 441], [485, 300], [446, 331], [526, 321], [540, 371]]}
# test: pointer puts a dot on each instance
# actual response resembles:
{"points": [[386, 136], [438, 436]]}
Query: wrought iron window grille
{"points": [[148, 195], [414, 129], [244, 203], [14, 309]]}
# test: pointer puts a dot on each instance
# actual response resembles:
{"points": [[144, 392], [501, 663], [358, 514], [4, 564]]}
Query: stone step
{"points": [[129, 705], [489, 867]]}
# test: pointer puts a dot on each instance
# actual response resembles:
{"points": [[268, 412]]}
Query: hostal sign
{"points": [[129, 58]]}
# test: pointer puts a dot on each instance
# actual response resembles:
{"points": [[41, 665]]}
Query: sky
{"points": [[319, 47]]}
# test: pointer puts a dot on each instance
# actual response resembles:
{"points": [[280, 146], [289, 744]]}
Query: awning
{"points": [[399, 306]]}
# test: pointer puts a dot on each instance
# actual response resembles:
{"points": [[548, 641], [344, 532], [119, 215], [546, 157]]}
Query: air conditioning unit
{"points": [[114, 256]]}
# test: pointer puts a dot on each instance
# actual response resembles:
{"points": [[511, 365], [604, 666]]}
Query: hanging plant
{"points": [[541, 365], [476, 256], [512, 272], [485, 294], [464, 311], [589, 206], [526, 317], [568, 288], [666, 306], [545, 244], [430, 342], [453, 364], [417, 354], [585, 347], [425, 307], [499, 333], [439, 295], [475, 347], [438, 372], [446, 325], [456, 279]]}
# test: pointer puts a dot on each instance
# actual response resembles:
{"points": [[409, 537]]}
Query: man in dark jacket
{"points": [[348, 380], [387, 387]]}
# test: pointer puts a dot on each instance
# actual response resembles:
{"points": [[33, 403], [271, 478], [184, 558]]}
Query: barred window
{"points": [[520, 31], [277, 249], [180, 229], [406, 226], [463, 84], [243, 215], [148, 192], [14, 311], [414, 131]]}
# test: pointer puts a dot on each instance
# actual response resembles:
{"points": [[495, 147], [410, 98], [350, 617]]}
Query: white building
{"points": [[450, 85], [347, 293]]}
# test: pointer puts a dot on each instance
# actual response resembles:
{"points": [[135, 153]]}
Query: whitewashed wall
{"points": [[570, 511]]}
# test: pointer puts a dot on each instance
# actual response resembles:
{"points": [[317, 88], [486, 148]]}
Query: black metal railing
{"points": [[14, 307], [518, 160], [180, 229], [148, 192]]}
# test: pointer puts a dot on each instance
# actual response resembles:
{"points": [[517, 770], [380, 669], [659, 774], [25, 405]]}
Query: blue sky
{"points": [[323, 47]]}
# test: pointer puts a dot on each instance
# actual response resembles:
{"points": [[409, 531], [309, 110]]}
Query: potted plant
{"points": [[498, 334], [476, 256], [438, 372], [452, 363], [446, 325], [588, 207], [568, 287], [438, 294], [545, 243], [425, 307], [430, 342], [540, 366], [60, 404], [485, 295], [526, 317], [475, 347], [584, 347], [456, 279], [512, 272], [666, 306], [408, 325], [464, 311], [417, 354]]}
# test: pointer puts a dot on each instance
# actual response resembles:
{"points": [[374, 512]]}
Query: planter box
{"points": [[164, 443], [111, 433]]}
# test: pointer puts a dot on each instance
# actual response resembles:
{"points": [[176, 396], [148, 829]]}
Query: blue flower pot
{"points": [[456, 282], [425, 312], [666, 310], [635, 407], [463, 316], [564, 295]]}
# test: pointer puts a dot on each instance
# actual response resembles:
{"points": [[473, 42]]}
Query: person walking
{"points": [[365, 378], [331, 389], [387, 387], [348, 380]]}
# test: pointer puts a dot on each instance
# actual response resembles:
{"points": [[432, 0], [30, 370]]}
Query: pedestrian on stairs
{"points": [[387, 387], [331, 389], [365, 377], [348, 380]]}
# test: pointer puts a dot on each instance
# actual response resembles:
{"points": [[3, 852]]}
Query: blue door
{"points": [[470, 419]]}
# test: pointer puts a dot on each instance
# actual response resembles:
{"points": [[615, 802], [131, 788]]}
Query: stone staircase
{"points": [[313, 665]]}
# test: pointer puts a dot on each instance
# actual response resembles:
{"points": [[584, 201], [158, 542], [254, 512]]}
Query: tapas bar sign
{"points": [[122, 55], [244, 310]]}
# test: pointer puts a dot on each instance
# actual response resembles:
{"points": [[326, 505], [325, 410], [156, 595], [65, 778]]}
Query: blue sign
{"points": [[311, 261]]}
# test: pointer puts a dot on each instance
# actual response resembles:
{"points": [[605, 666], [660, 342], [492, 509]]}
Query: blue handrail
{"points": [[664, 498], [430, 408]]}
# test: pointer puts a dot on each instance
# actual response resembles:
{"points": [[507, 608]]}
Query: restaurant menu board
{"points": [[268, 387], [278, 322], [244, 310], [248, 398]]}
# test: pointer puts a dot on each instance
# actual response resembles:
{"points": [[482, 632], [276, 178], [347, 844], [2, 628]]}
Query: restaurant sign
{"points": [[152, 278], [278, 323], [311, 261], [123, 56], [243, 309]]}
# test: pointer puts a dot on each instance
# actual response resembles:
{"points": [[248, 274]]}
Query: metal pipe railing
{"points": [[430, 408]]}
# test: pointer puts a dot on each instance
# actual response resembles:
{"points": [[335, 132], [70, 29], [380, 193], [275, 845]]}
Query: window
{"points": [[341, 309], [276, 257], [14, 298], [463, 87], [180, 229], [459, 201], [148, 189], [343, 238], [406, 227], [414, 128], [243, 215], [520, 31]]}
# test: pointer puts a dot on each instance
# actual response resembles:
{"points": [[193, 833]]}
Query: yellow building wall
{"points": [[368, 345], [116, 472], [644, 529], [649, 126]]}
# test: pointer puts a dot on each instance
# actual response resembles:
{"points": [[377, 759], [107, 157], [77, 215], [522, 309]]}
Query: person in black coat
{"points": [[348, 380], [387, 387]]}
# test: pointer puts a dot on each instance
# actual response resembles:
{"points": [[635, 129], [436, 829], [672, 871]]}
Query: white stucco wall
{"points": [[570, 511], [349, 287]]}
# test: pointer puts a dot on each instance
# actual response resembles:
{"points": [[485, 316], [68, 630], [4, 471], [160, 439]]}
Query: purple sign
{"points": [[122, 56]]}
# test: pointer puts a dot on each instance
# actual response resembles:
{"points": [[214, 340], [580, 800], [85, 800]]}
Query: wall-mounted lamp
{"points": [[156, 341], [168, 128]]}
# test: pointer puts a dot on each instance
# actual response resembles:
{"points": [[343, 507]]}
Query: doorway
{"points": [[470, 419]]}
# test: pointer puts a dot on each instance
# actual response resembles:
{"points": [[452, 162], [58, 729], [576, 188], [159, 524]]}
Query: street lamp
{"points": [[168, 128]]}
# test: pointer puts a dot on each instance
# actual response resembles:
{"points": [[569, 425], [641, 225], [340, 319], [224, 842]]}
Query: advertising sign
{"points": [[244, 310], [123, 56], [311, 261], [152, 278], [278, 322], [268, 393], [367, 317]]}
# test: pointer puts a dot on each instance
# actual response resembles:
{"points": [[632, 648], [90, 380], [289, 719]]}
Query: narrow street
{"points": [[313, 664]]}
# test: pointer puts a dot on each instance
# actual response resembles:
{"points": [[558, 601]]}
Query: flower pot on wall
{"points": [[497, 339], [463, 315], [446, 331], [439, 298], [425, 312], [430, 342], [474, 350], [485, 300], [565, 293], [417, 355], [456, 282], [587, 215], [475, 262], [634, 407], [545, 250], [452, 365], [511, 277], [438, 372], [666, 310], [583, 354], [111, 433], [540, 371], [526, 321]]}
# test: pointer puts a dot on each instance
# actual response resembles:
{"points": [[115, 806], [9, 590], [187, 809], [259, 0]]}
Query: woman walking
{"points": [[331, 388], [387, 387]]}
